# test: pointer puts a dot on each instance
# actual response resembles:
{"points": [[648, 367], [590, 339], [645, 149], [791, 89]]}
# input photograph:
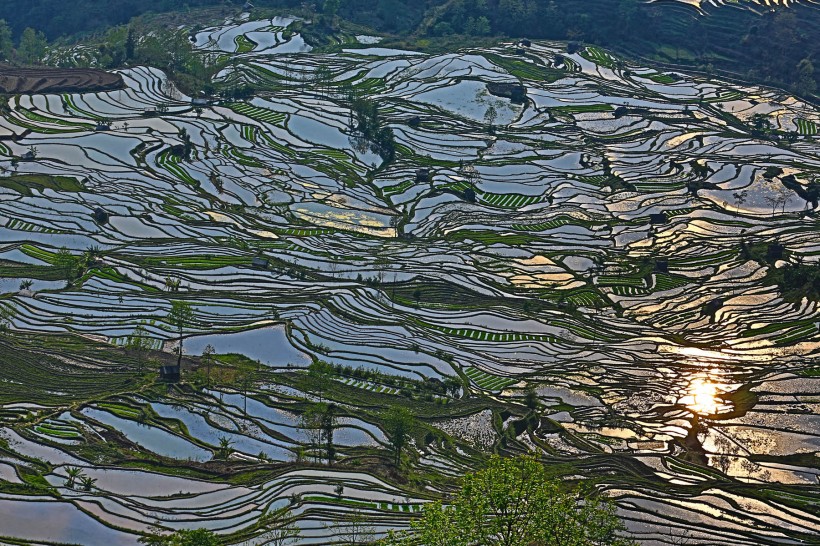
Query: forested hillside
{"points": [[771, 46]]}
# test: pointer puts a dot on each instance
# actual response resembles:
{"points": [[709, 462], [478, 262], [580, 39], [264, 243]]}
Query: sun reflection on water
{"points": [[708, 393], [703, 394]]}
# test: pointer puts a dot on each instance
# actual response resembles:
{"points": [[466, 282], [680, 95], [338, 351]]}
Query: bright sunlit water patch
{"points": [[704, 394]]}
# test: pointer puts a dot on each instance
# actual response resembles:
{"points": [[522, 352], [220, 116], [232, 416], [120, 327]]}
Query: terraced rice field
{"points": [[611, 261]]}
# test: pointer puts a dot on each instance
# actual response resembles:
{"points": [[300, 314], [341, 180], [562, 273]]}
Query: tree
{"points": [[214, 179], [66, 263], [280, 529], [73, 473], [180, 317], [320, 379], [761, 125], [32, 46], [187, 145], [319, 422], [490, 116], [479, 26], [245, 382], [397, 424], [172, 284], [356, 529], [740, 198], [208, 359], [328, 423], [6, 43], [323, 78], [87, 482], [513, 502], [471, 175], [806, 83], [330, 8], [130, 44], [531, 399], [225, 448], [381, 264], [8, 313], [184, 537], [139, 343]]}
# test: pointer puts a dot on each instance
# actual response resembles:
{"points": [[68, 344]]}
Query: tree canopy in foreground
{"points": [[513, 502]]}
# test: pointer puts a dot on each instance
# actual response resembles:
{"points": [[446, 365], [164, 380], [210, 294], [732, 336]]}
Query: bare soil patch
{"points": [[15, 80]]}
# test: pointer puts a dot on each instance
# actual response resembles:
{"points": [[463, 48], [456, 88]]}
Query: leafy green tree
{"points": [[531, 399], [225, 448], [87, 482], [74, 473], [32, 46], [323, 77], [398, 423], [66, 263], [130, 44], [6, 43], [761, 125], [319, 422], [806, 82], [8, 313], [513, 502], [180, 317], [479, 26]]}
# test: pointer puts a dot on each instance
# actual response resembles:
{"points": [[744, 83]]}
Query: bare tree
{"points": [[740, 198], [357, 529], [208, 359], [139, 344]]}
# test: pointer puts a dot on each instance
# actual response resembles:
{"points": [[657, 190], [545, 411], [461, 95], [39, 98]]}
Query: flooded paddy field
{"points": [[615, 243]]}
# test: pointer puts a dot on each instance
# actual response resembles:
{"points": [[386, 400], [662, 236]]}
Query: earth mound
{"points": [[15, 80]]}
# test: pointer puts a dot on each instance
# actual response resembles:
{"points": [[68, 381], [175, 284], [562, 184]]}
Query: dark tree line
{"points": [[777, 46]]}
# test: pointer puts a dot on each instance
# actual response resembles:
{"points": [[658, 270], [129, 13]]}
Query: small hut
{"points": [[775, 252], [662, 265], [100, 216], [102, 126], [423, 175], [260, 262], [169, 373], [713, 307]]}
